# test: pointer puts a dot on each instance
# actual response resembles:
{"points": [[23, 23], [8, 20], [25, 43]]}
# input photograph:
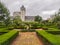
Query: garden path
{"points": [[27, 38]]}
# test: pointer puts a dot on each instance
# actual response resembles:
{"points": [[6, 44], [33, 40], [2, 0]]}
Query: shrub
{"points": [[31, 30], [45, 28], [52, 39], [10, 28], [4, 30], [8, 37], [58, 25], [55, 32], [36, 26], [2, 24], [20, 26]]}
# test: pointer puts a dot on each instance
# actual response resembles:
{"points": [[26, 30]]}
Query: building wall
{"points": [[23, 12], [22, 15], [29, 18], [16, 14]]}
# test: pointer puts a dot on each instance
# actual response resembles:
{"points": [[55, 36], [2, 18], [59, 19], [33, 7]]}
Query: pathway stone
{"points": [[27, 38]]}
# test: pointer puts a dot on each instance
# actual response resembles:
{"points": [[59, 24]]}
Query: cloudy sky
{"points": [[44, 8]]}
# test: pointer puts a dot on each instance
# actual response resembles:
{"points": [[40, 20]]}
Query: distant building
{"points": [[22, 15], [29, 18]]}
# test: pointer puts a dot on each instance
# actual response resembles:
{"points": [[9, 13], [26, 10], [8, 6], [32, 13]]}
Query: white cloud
{"points": [[49, 12], [17, 3], [34, 7]]}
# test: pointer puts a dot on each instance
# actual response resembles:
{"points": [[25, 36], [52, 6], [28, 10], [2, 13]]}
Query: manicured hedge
{"points": [[49, 37], [55, 32], [31, 30], [52, 29], [4, 30], [5, 39]]}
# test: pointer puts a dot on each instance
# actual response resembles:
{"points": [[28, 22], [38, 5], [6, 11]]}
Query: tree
{"points": [[4, 14], [38, 18], [56, 17], [17, 21], [58, 24]]}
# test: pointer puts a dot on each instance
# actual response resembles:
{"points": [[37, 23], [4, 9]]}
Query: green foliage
{"points": [[7, 21], [4, 30], [38, 18], [36, 26], [45, 28], [2, 24], [46, 23], [31, 30], [55, 32], [30, 25], [4, 14], [33, 25], [53, 29], [3, 9], [20, 26], [56, 19], [58, 25], [10, 26], [17, 22], [8, 37], [49, 37]]}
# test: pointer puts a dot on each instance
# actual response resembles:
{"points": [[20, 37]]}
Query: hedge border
{"points": [[8, 37], [49, 37]]}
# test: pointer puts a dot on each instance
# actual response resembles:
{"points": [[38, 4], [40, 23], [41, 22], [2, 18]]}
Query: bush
{"points": [[8, 37], [31, 30], [58, 25], [10, 28], [2, 24], [55, 32], [4, 30], [45, 28], [36, 26], [20, 26], [53, 29]]}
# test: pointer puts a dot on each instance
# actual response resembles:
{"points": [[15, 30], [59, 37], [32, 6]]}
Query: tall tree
{"points": [[56, 17], [38, 18], [4, 14]]}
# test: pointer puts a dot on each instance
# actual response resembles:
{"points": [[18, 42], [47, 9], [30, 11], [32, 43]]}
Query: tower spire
{"points": [[23, 8], [23, 12]]}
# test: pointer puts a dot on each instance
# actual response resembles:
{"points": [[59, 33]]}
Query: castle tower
{"points": [[23, 12]]}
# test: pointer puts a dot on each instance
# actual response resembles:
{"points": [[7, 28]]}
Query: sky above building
{"points": [[44, 8]]}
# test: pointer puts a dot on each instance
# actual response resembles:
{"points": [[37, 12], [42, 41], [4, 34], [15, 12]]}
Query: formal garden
{"points": [[47, 30]]}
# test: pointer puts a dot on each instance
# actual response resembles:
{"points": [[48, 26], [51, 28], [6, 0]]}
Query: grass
{"points": [[53, 39]]}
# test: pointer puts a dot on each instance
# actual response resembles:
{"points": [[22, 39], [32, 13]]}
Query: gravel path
{"points": [[27, 38]]}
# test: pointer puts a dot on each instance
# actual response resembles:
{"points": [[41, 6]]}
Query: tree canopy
{"points": [[38, 18], [4, 14]]}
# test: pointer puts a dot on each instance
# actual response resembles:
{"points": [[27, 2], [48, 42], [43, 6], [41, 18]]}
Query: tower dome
{"points": [[22, 8]]}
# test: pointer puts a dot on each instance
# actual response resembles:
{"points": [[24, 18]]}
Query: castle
{"points": [[22, 14]]}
